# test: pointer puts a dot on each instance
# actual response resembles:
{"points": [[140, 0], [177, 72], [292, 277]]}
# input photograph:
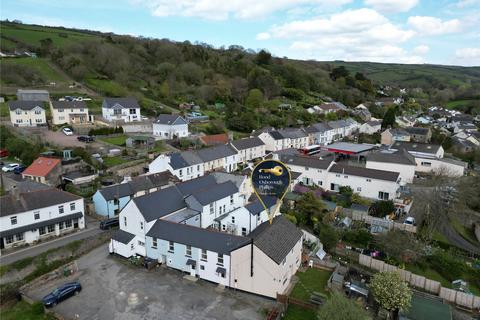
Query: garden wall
{"points": [[459, 298], [387, 224]]}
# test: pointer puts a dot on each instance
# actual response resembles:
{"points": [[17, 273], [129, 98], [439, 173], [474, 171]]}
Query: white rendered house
{"points": [[27, 113], [121, 109], [168, 126]]}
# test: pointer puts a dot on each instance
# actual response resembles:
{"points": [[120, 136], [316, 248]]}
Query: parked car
{"points": [[61, 293], [109, 223], [409, 220], [67, 131], [10, 167], [19, 169], [86, 139], [3, 153]]}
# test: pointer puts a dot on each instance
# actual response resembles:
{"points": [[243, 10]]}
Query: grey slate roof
{"points": [[207, 239], [276, 240], [116, 191], [318, 127], [24, 105], [304, 161], [69, 105], [137, 184], [416, 147], [257, 207], [364, 172], [127, 102], [221, 176], [160, 203], [215, 192], [170, 119], [184, 159], [123, 236], [34, 200], [247, 143], [399, 157], [182, 215], [216, 152], [417, 130], [188, 187], [292, 133]]}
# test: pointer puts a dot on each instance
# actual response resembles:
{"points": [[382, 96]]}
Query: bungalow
{"points": [[249, 149], [370, 127], [169, 126], [44, 170], [71, 112], [419, 134], [400, 161], [121, 109], [31, 216], [27, 113], [109, 201]]}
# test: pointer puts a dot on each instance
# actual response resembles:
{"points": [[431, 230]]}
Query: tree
{"points": [[339, 307], [391, 292], [389, 118], [164, 89], [308, 209], [254, 99], [381, 208], [328, 236], [393, 244], [339, 72], [263, 57]]}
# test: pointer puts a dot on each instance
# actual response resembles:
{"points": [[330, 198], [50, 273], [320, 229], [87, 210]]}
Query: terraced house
{"points": [[27, 113], [28, 217]]}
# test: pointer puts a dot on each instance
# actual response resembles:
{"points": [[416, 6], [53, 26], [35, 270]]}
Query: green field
{"points": [[38, 64], [312, 280], [113, 161], [117, 140], [31, 35]]}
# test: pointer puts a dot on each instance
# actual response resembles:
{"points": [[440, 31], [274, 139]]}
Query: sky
{"points": [[401, 31]]}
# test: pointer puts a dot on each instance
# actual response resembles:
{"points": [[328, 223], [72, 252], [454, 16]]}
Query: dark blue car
{"points": [[61, 293], [19, 169]]}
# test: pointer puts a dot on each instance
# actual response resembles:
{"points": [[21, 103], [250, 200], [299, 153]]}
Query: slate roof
{"points": [[304, 161], [69, 105], [417, 130], [184, 159], [318, 127], [171, 119], [116, 191], [221, 176], [207, 239], [182, 215], [160, 203], [247, 143], [215, 192], [374, 123], [364, 172], [216, 152], [41, 167], [123, 236], [416, 147], [137, 184], [34, 200], [24, 105], [338, 124], [194, 185], [127, 102], [292, 133], [256, 207], [276, 240], [400, 157]]}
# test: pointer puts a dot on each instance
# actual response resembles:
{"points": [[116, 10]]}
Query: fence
{"points": [[286, 300], [387, 224], [459, 298]]}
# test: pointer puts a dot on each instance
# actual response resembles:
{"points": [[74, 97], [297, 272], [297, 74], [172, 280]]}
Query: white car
{"points": [[10, 167], [67, 131], [410, 221]]}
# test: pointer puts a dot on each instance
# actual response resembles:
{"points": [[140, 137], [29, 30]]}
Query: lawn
{"points": [[117, 140], [113, 161], [4, 112], [312, 280], [23, 310], [297, 313], [38, 64]]}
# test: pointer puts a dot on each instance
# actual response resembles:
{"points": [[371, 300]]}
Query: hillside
{"points": [[170, 72]]}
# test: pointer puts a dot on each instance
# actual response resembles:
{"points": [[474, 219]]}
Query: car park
{"points": [[19, 169], [109, 223], [10, 167], [67, 131], [61, 293]]}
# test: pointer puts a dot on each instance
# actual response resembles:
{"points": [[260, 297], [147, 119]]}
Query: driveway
{"points": [[60, 139], [115, 289]]}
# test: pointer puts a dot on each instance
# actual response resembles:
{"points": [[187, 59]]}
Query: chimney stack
{"points": [[15, 193]]}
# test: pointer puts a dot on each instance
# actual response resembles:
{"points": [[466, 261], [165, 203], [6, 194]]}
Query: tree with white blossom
{"points": [[391, 292]]}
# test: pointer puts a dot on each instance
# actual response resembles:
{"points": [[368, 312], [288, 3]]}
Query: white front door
{"points": [[193, 272]]}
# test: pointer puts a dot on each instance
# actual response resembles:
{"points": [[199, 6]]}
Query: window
{"points": [[202, 267], [224, 208], [141, 225], [131, 246], [346, 177], [231, 199], [36, 215], [188, 251], [154, 243], [223, 227], [337, 175], [117, 112], [133, 111], [18, 112], [369, 180], [60, 209], [60, 110], [198, 168], [220, 259], [13, 220], [68, 224], [383, 195], [320, 183], [38, 111], [51, 228], [38, 120], [125, 221], [19, 120], [220, 211], [41, 230], [19, 236], [359, 189], [233, 219], [141, 243], [204, 255], [426, 164], [211, 208], [72, 206], [61, 225], [9, 239], [171, 248], [244, 231], [180, 172]]}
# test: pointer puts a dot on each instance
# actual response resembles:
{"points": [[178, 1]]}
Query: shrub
{"points": [[37, 308], [447, 265], [381, 208]]}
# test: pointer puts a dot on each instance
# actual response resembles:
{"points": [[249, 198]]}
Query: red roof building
{"points": [[215, 139], [44, 170]]}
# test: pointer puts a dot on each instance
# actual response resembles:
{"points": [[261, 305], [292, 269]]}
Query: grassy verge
{"points": [[113, 161], [118, 140], [4, 112], [463, 231], [312, 280], [298, 313], [23, 310]]}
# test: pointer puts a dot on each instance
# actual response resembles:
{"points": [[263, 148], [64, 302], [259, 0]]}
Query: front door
{"points": [[193, 272]]}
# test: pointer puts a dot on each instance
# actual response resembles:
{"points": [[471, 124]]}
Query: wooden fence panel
{"points": [[476, 302], [448, 294], [405, 275], [365, 260], [417, 281], [432, 286], [465, 300]]}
